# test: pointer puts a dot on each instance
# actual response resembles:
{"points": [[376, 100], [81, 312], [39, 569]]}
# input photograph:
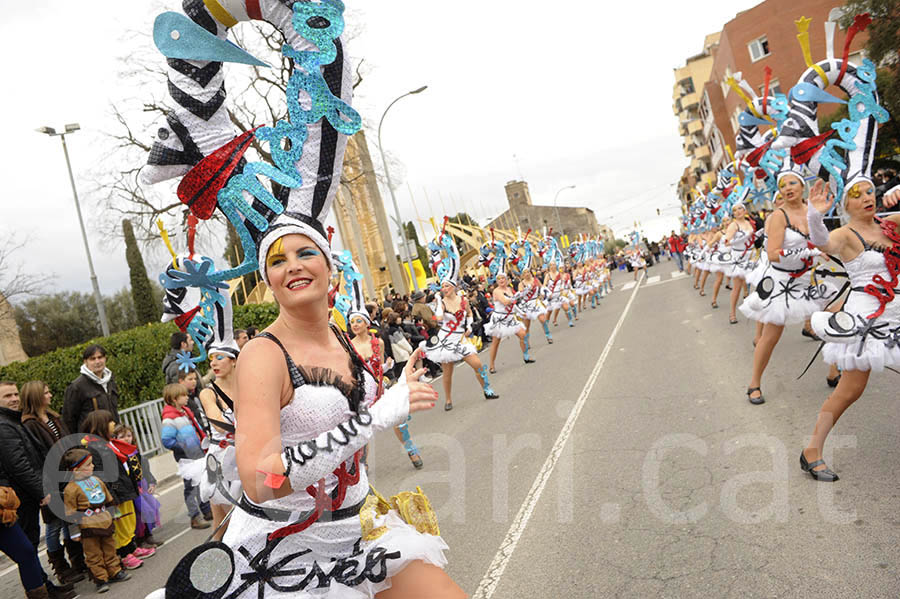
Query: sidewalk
{"points": [[163, 468]]}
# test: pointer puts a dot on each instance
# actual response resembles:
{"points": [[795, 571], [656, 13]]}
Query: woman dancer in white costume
{"points": [[783, 294], [862, 337], [306, 408], [450, 344], [504, 322], [721, 260], [530, 306], [218, 407], [558, 301], [740, 237]]}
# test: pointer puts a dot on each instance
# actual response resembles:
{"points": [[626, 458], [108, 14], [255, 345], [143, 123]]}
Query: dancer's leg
{"points": [[849, 389], [770, 336], [716, 286], [495, 345], [447, 379]]}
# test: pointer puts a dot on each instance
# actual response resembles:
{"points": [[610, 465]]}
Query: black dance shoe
{"points": [[755, 400], [825, 475]]}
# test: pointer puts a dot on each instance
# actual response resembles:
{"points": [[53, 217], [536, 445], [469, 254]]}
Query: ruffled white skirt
{"points": [[447, 351], [759, 268], [531, 310], [329, 560], [501, 326], [196, 472], [781, 299], [879, 348]]}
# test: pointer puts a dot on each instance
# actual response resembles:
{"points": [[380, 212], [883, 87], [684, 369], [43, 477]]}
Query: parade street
{"points": [[627, 462]]}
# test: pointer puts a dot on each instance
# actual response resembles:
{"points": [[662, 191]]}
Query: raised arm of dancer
{"points": [[820, 201]]}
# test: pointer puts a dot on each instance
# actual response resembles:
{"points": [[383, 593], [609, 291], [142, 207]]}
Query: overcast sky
{"points": [[579, 93]]}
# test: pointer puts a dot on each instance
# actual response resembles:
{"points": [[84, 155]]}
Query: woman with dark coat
{"points": [[47, 428]]}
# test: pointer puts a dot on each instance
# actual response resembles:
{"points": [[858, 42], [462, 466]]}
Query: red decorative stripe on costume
{"points": [[860, 22], [253, 10]]}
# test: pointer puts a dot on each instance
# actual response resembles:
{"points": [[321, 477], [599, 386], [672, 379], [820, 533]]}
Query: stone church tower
{"points": [[363, 223]]}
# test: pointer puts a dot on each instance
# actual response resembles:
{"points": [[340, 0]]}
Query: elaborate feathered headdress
{"points": [[445, 260], [306, 149], [353, 301], [854, 135]]}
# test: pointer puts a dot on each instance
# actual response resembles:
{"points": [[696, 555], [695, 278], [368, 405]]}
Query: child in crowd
{"points": [[88, 500], [183, 435], [112, 453], [146, 506], [191, 382]]}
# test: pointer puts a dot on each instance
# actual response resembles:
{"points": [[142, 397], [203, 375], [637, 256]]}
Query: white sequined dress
{"points": [[323, 434]]}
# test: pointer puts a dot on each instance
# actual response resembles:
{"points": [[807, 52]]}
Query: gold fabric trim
{"points": [[412, 507]]}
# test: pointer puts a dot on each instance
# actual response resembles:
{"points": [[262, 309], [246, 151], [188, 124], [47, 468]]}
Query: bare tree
{"points": [[14, 281], [256, 97]]}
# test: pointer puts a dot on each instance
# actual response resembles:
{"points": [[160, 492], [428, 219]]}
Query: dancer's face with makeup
{"points": [[791, 188], [298, 272], [860, 202]]}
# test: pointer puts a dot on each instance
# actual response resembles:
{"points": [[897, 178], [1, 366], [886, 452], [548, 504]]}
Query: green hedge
{"points": [[135, 357]]}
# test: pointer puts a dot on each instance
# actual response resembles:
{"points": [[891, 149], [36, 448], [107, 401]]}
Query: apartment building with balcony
{"points": [[764, 35], [687, 95]]}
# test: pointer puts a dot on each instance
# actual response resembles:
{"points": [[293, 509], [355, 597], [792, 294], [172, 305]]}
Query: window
{"points": [[705, 108], [714, 142], [774, 87], [725, 86], [735, 123], [759, 48]]}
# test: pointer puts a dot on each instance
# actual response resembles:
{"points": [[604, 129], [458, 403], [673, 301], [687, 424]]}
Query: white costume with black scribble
{"points": [[322, 433], [784, 293], [449, 344]]}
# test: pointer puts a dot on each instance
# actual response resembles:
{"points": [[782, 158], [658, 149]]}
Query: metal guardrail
{"points": [[146, 421]]}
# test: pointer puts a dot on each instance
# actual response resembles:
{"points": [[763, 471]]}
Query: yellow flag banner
{"points": [[421, 276]]}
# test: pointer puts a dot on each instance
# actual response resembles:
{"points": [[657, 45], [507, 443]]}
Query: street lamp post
{"points": [[556, 208], [72, 128], [387, 174]]}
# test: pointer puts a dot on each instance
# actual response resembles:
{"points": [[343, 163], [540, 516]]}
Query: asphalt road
{"points": [[627, 463]]}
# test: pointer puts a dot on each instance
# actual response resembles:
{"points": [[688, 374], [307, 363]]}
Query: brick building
{"points": [[765, 35]]}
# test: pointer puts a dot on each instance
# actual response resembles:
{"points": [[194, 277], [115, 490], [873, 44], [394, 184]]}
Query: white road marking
{"points": [[654, 279], [495, 571], [678, 273], [628, 286]]}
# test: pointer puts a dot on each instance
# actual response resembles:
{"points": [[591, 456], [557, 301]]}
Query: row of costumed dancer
{"points": [[293, 412], [841, 280], [566, 285]]}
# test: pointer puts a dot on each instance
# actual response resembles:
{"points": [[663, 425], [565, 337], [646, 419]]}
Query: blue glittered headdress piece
{"points": [[307, 149]]}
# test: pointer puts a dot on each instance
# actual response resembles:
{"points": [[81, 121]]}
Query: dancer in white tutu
{"points": [[220, 491], [503, 322], [308, 525], [531, 306], [740, 237], [863, 337], [784, 294], [450, 344]]}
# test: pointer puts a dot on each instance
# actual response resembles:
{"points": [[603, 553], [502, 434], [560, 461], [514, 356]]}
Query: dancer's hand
{"points": [[820, 196], [892, 197], [421, 395]]}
